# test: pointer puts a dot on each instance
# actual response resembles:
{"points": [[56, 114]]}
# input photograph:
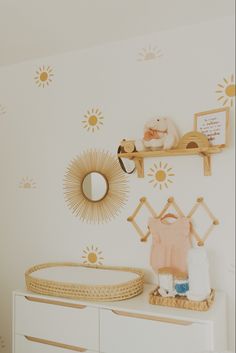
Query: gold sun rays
{"points": [[44, 76], [161, 175], [149, 53], [226, 91], [116, 197], [92, 256], [93, 120], [27, 183]]}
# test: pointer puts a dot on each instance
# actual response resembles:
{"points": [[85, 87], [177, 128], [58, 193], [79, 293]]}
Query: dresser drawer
{"points": [[123, 332], [34, 345], [57, 321]]}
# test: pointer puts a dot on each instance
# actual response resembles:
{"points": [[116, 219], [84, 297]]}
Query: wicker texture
{"points": [[182, 302], [117, 292]]}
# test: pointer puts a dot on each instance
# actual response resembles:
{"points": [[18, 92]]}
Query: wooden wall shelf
{"points": [[204, 152]]}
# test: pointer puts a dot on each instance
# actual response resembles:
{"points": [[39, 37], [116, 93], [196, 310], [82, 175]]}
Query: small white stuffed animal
{"points": [[159, 133]]}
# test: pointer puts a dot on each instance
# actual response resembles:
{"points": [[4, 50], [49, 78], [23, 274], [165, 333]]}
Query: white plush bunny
{"points": [[159, 133]]}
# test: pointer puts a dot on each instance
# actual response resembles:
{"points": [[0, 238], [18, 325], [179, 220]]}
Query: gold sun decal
{"points": [[44, 76], [27, 183], [92, 256], [2, 110], [93, 120], [226, 91], [149, 53], [161, 175]]}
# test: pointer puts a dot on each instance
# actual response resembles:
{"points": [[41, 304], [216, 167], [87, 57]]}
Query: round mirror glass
{"points": [[94, 186]]}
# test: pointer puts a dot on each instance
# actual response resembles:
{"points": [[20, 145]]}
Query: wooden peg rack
{"points": [[144, 235], [205, 152]]}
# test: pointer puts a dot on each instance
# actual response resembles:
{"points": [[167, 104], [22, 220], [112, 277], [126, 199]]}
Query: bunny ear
{"points": [[172, 130]]}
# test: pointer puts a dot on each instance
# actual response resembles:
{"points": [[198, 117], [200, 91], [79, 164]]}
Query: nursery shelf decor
{"points": [[214, 124], [161, 139], [204, 152]]}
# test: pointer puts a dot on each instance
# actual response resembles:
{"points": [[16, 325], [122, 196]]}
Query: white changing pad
{"points": [[85, 276]]}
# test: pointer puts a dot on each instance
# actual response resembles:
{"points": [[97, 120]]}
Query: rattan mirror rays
{"points": [[117, 188]]}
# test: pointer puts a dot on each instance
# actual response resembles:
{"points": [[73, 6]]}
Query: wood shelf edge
{"points": [[173, 152]]}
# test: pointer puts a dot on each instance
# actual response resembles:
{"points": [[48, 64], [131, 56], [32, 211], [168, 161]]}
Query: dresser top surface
{"points": [[141, 305]]}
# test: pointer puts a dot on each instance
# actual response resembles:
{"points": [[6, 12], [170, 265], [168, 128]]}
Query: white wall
{"points": [[42, 131]]}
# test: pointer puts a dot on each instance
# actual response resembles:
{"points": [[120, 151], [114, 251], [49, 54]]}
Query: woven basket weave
{"points": [[115, 292], [182, 301]]}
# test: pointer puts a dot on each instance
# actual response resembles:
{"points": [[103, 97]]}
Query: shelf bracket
{"points": [[204, 152], [206, 163], [139, 164]]}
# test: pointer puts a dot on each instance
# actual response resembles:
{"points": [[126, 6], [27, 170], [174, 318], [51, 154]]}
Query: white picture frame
{"points": [[214, 124]]}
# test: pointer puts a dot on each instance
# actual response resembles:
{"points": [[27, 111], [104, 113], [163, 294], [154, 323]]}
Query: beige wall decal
{"points": [[93, 120], [161, 175], [44, 76], [27, 183], [92, 256], [2, 109], [149, 53], [226, 91]]}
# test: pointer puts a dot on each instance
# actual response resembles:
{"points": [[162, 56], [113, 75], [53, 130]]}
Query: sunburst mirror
{"points": [[95, 187]]}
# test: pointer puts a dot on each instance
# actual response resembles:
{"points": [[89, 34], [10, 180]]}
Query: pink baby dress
{"points": [[171, 243]]}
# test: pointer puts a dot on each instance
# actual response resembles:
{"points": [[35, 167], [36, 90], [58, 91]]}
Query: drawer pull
{"points": [[55, 302], [55, 344], [153, 318]]}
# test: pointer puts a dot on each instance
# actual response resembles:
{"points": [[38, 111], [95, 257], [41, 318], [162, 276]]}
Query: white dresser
{"points": [[43, 324]]}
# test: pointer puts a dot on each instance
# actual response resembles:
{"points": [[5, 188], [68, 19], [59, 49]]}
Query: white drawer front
{"points": [[24, 345], [57, 322], [123, 334]]}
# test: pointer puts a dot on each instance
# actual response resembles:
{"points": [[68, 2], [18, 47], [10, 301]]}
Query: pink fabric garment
{"points": [[171, 243]]}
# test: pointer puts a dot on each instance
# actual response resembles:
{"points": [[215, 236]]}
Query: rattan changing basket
{"points": [[109, 292]]}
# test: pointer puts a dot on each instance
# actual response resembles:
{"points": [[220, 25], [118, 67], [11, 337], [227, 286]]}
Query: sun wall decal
{"points": [[149, 53], [92, 256], [93, 120], [2, 110], [226, 91], [44, 76], [161, 175], [27, 183]]}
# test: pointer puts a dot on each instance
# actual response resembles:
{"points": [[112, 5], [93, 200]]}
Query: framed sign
{"points": [[214, 124]]}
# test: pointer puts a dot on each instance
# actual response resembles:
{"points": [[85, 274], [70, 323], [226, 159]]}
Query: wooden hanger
{"points": [[169, 215]]}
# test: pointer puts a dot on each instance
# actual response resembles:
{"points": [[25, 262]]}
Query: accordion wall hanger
{"points": [[200, 239]]}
